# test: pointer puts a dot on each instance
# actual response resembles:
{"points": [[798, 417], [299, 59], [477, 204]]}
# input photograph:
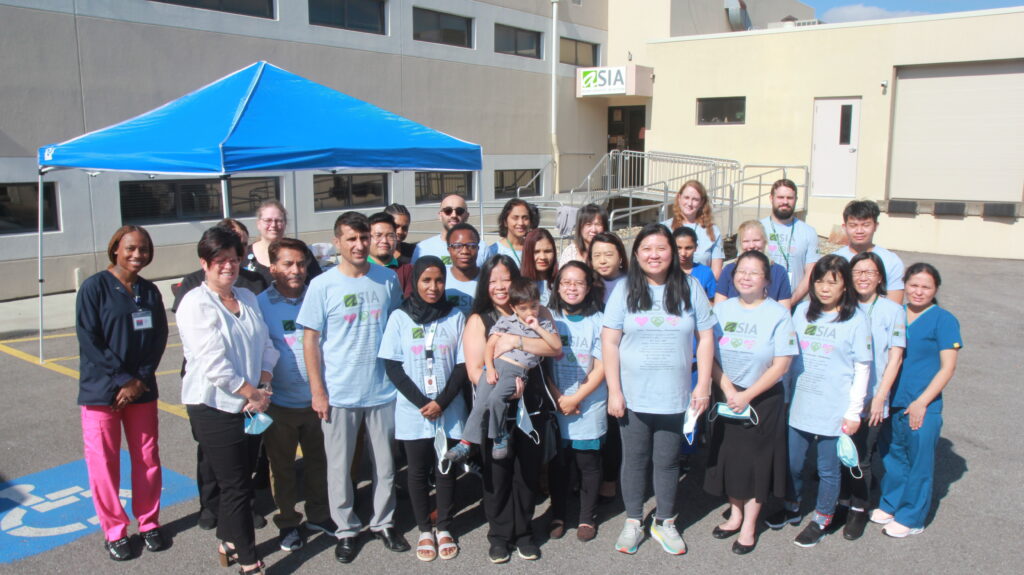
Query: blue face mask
{"points": [[257, 423], [723, 409], [848, 456], [690, 425], [524, 423]]}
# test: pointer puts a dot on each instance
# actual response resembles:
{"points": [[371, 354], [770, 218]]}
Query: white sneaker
{"points": [[900, 531], [630, 537], [668, 536], [881, 517]]}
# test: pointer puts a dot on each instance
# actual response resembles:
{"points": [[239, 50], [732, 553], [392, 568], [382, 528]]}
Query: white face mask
{"points": [[524, 423], [690, 425], [440, 448], [723, 409]]}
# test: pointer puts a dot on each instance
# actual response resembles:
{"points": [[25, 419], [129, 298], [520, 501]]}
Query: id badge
{"points": [[142, 320], [430, 385], [790, 275]]}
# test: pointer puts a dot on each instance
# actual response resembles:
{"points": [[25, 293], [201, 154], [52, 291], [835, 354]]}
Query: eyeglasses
{"points": [[274, 221], [572, 283], [865, 274], [748, 274], [470, 247], [379, 237], [458, 211]]}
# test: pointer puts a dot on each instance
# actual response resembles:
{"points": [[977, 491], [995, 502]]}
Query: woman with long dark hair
{"points": [[591, 220], [830, 377], [647, 344], [516, 220], [539, 263], [908, 453]]}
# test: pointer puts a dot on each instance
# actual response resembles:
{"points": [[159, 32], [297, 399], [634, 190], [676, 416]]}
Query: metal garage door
{"points": [[958, 132]]}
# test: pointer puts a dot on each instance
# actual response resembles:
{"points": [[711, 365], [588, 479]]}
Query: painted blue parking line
{"points": [[44, 510]]}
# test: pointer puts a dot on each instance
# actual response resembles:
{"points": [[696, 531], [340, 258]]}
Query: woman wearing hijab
{"points": [[422, 353]]}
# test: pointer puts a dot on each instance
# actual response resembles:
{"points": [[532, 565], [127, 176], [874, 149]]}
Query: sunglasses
{"points": [[458, 211]]}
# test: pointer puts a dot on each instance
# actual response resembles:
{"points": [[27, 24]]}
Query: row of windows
{"points": [[427, 26], [147, 202]]}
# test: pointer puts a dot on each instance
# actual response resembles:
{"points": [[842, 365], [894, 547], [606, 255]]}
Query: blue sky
{"points": [[835, 11]]}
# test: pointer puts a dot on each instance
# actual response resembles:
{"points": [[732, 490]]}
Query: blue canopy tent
{"points": [[260, 118]]}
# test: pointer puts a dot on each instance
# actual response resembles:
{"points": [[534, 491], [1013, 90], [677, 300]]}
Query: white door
{"points": [[834, 147]]}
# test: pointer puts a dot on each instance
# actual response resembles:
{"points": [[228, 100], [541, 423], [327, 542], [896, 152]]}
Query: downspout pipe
{"points": [[555, 154]]}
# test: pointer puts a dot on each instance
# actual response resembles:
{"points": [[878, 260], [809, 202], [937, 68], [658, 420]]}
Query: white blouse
{"points": [[222, 351]]}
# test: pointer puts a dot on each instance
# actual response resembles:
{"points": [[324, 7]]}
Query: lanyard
{"points": [[515, 254], [789, 244], [428, 346], [871, 308]]}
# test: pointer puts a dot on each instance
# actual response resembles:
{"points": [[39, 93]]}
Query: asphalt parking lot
{"points": [[975, 523]]}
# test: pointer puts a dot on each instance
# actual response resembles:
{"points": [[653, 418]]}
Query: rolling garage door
{"points": [[958, 132]]}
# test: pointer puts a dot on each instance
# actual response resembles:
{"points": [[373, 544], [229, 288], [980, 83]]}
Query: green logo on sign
{"points": [[590, 78]]}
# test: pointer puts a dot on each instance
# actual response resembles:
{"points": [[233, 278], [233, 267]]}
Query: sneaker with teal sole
{"points": [[630, 537], [666, 533]]}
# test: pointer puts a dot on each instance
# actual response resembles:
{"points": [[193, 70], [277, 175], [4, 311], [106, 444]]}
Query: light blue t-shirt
{"points": [[545, 292], [656, 349], [823, 372], [892, 262], [750, 339], [792, 246], [290, 383], [707, 249], [460, 293], [499, 247], [405, 341], [888, 330], [350, 314], [436, 246], [581, 345]]}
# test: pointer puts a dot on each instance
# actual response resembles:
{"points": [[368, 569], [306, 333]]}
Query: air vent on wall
{"points": [[902, 207], [999, 210], [950, 209]]}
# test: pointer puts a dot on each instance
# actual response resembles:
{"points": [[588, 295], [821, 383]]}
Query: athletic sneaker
{"points": [[630, 537], [666, 534], [781, 518], [458, 453], [810, 536], [499, 450], [528, 551], [291, 539], [499, 553], [900, 531]]}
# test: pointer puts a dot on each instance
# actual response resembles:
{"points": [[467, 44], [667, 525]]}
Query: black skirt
{"points": [[750, 461]]}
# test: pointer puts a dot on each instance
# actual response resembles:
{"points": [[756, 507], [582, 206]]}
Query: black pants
{"points": [[611, 451], [225, 448], [421, 457], [209, 493], [562, 473], [858, 491], [509, 487]]}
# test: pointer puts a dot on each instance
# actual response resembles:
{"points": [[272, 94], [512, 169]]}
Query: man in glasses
{"points": [[453, 211], [383, 240], [463, 248]]}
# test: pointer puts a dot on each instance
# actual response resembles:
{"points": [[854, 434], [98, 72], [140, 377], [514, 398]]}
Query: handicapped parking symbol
{"points": [[50, 508]]}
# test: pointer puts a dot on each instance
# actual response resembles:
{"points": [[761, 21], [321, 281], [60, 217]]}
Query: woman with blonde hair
{"points": [[693, 210], [751, 237]]}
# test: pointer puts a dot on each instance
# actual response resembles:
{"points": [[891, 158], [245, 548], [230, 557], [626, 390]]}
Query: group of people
{"points": [[608, 368]]}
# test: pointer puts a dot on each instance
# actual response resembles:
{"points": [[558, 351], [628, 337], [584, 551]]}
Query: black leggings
{"points": [[562, 473], [420, 455]]}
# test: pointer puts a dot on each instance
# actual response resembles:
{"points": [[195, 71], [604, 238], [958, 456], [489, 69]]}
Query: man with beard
{"points": [[453, 211], [791, 243]]}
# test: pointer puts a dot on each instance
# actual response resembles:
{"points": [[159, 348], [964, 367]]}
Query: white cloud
{"points": [[855, 12]]}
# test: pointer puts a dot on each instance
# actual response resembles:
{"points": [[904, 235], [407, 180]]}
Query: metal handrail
{"points": [[534, 178]]}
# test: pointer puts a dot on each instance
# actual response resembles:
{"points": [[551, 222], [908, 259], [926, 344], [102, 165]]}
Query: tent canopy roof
{"points": [[263, 118]]}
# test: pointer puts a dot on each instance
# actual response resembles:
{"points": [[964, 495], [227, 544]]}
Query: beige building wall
{"points": [[781, 73]]}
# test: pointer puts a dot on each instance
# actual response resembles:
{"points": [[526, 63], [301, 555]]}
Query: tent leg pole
{"points": [[225, 196], [480, 201], [40, 262]]}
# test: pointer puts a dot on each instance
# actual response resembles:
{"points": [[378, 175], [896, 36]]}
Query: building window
{"points": [[358, 15], [721, 111], [506, 182], [260, 8], [19, 207], [167, 201], [432, 187], [577, 52], [333, 192], [516, 41], [431, 26]]}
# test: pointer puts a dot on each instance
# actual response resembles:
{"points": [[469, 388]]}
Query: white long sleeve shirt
{"points": [[222, 352]]}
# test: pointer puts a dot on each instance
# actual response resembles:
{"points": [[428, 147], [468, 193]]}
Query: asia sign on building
{"points": [[628, 80]]}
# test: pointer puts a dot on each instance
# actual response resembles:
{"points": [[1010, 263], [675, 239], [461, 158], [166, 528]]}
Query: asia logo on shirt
{"points": [[358, 300]]}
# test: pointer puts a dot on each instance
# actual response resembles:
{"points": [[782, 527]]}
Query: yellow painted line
{"points": [[57, 336], [70, 357], [65, 358], [168, 372], [178, 410]]}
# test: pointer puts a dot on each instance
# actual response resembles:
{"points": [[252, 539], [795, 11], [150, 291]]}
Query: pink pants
{"points": [[101, 433]]}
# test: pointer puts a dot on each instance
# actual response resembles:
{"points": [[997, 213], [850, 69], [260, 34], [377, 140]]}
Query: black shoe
{"points": [[855, 523], [780, 518], [810, 536], [207, 520], [153, 539], [528, 551], [719, 533], [345, 551], [498, 553], [741, 549], [120, 550], [258, 521], [393, 541]]}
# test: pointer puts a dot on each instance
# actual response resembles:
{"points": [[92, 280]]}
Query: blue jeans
{"points": [[909, 459], [828, 469]]}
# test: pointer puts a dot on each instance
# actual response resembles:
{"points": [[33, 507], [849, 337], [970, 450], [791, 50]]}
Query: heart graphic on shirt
{"points": [[724, 340], [815, 346], [350, 317], [417, 349], [804, 345], [657, 321], [641, 320], [827, 347], [672, 320], [290, 340], [772, 247], [375, 313], [748, 343], [736, 343]]}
